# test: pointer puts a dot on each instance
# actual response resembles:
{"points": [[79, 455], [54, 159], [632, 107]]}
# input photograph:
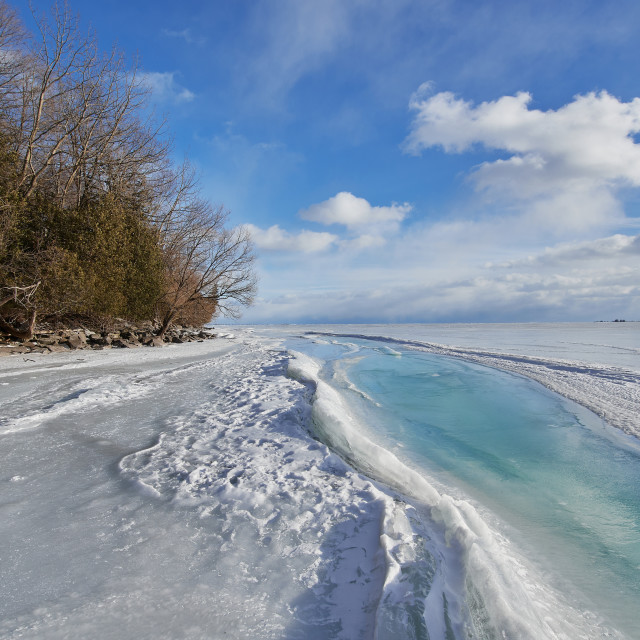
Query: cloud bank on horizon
{"points": [[410, 160]]}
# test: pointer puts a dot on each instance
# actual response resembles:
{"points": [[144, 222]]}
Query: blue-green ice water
{"points": [[546, 474]]}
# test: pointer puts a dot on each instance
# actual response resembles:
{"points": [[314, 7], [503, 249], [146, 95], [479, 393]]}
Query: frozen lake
{"points": [[183, 492]]}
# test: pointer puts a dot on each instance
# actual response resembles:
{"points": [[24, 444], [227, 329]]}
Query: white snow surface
{"points": [[178, 493]]}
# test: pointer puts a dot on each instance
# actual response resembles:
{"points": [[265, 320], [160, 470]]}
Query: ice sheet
{"points": [[178, 493]]}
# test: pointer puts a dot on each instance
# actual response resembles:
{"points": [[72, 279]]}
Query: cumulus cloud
{"points": [[367, 227], [166, 88], [276, 239], [565, 167], [353, 212]]}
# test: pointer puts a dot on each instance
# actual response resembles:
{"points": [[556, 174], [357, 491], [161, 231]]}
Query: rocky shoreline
{"points": [[129, 337]]}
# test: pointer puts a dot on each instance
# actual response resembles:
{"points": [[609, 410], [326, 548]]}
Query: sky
{"points": [[407, 160]]}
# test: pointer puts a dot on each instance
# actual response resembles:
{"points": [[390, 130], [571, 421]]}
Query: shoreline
{"points": [[128, 336], [468, 530]]}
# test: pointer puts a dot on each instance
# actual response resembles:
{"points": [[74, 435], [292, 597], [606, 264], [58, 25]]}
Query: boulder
{"points": [[76, 340], [154, 341], [56, 348]]}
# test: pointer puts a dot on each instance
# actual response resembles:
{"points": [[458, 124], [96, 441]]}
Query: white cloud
{"points": [[558, 289], [353, 212], [367, 227], [165, 88], [366, 241], [565, 167], [617, 247], [276, 239], [456, 271], [297, 38]]}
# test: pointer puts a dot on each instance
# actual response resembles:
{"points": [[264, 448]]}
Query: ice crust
{"points": [[181, 494], [201, 491], [449, 574]]}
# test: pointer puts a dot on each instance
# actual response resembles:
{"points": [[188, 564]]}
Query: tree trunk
{"points": [[166, 321], [21, 334]]}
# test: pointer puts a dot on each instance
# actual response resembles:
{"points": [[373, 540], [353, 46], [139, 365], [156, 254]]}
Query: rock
{"points": [[56, 348], [126, 337], [154, 341], [17, 349], [77, 340]]}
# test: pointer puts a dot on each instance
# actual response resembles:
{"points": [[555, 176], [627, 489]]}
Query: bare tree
{"points": [[205, 262], [78, 124], [12, 43]]}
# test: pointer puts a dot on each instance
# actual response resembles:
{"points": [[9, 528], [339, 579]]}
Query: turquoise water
{"points": [[547, 475]]}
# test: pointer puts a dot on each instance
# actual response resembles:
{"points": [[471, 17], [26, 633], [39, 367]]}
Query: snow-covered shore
{"points": [[178, 493]]}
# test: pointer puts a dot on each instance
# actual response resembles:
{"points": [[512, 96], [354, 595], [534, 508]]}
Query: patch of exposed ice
{"points": [[611, 392]]}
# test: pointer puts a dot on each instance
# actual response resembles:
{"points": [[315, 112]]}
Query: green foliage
{"points": [[99, 259], [119, 256]]}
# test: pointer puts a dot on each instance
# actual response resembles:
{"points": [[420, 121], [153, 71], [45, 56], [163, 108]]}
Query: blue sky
{"points": [[405, 160]]}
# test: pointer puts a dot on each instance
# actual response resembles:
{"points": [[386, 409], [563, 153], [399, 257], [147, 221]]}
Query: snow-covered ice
{"points": [[178, 493], [189, 492]]}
